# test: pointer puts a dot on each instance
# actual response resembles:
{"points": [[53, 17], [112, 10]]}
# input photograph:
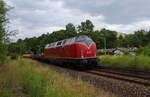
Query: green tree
{"points": [[97, 38], [3, 31], [140, 37], [147, 37], [120, 41], [31, 45], [86, 27], [70, 30], [109, 38], [137, 39], [57, 35]]}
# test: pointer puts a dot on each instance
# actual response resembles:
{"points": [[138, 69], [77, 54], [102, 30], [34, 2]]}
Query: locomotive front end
{"points": [[86, 48]]}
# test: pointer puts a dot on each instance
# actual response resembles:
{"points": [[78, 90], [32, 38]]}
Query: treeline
{"points": [[104, 38]]}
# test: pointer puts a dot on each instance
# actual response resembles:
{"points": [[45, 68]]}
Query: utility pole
{"points": [[105, 45]]}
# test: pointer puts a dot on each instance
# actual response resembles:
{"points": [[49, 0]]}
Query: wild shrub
{"points": [[144, 50], [2, 54], [137, 62]]}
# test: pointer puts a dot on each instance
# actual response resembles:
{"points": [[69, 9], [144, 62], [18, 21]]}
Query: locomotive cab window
{"points": [[70, 41], [88, 42], [84, 39]]}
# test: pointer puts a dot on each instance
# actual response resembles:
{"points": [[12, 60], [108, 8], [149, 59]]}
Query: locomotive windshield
{"points": [[84, 39]]}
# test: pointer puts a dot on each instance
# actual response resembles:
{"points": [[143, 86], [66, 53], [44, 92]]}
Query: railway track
{"points": [[123, 77], [127, 72], [140, 77]]}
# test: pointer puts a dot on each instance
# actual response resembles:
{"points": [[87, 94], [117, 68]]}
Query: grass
{"points": [[26, 78], [139, 62]]}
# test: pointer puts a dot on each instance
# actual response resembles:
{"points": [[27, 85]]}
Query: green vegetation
{"points": [[3, 32], [137, 62], [26, 78], [144, 50]]}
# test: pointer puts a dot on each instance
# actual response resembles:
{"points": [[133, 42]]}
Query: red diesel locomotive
{"points": [[76, 50]]}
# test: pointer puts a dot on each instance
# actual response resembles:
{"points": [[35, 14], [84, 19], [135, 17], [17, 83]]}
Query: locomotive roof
{"points": [[68, 41]]}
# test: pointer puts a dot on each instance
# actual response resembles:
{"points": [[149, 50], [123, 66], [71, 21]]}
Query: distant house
{"points": [[124, 51], [121, 34], [120, 51]]}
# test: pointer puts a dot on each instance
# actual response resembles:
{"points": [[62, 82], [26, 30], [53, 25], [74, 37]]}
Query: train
{"points": [[77, 50]]}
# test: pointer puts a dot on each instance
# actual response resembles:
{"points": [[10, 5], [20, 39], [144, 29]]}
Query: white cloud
{"points": [[35, 17], [36, 21], [25, 32], [126, 28]]}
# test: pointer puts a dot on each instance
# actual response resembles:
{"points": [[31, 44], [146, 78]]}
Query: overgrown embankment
{"points": [[135, 62], [26, 78]]}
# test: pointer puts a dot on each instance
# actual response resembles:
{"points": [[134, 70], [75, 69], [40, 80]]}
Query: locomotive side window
{"points": [[70, 41], [67, 42], [47, 46], [59, 43], [64, 42], [52, 44]]}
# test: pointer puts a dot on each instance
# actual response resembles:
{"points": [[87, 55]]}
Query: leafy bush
{"points": [[6, 93], [14, 56], [138, 62], [144, 50], [2, 54], [34, 82]]}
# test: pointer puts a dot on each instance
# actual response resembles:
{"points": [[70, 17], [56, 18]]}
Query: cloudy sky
{"points": [[35, 17]]}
